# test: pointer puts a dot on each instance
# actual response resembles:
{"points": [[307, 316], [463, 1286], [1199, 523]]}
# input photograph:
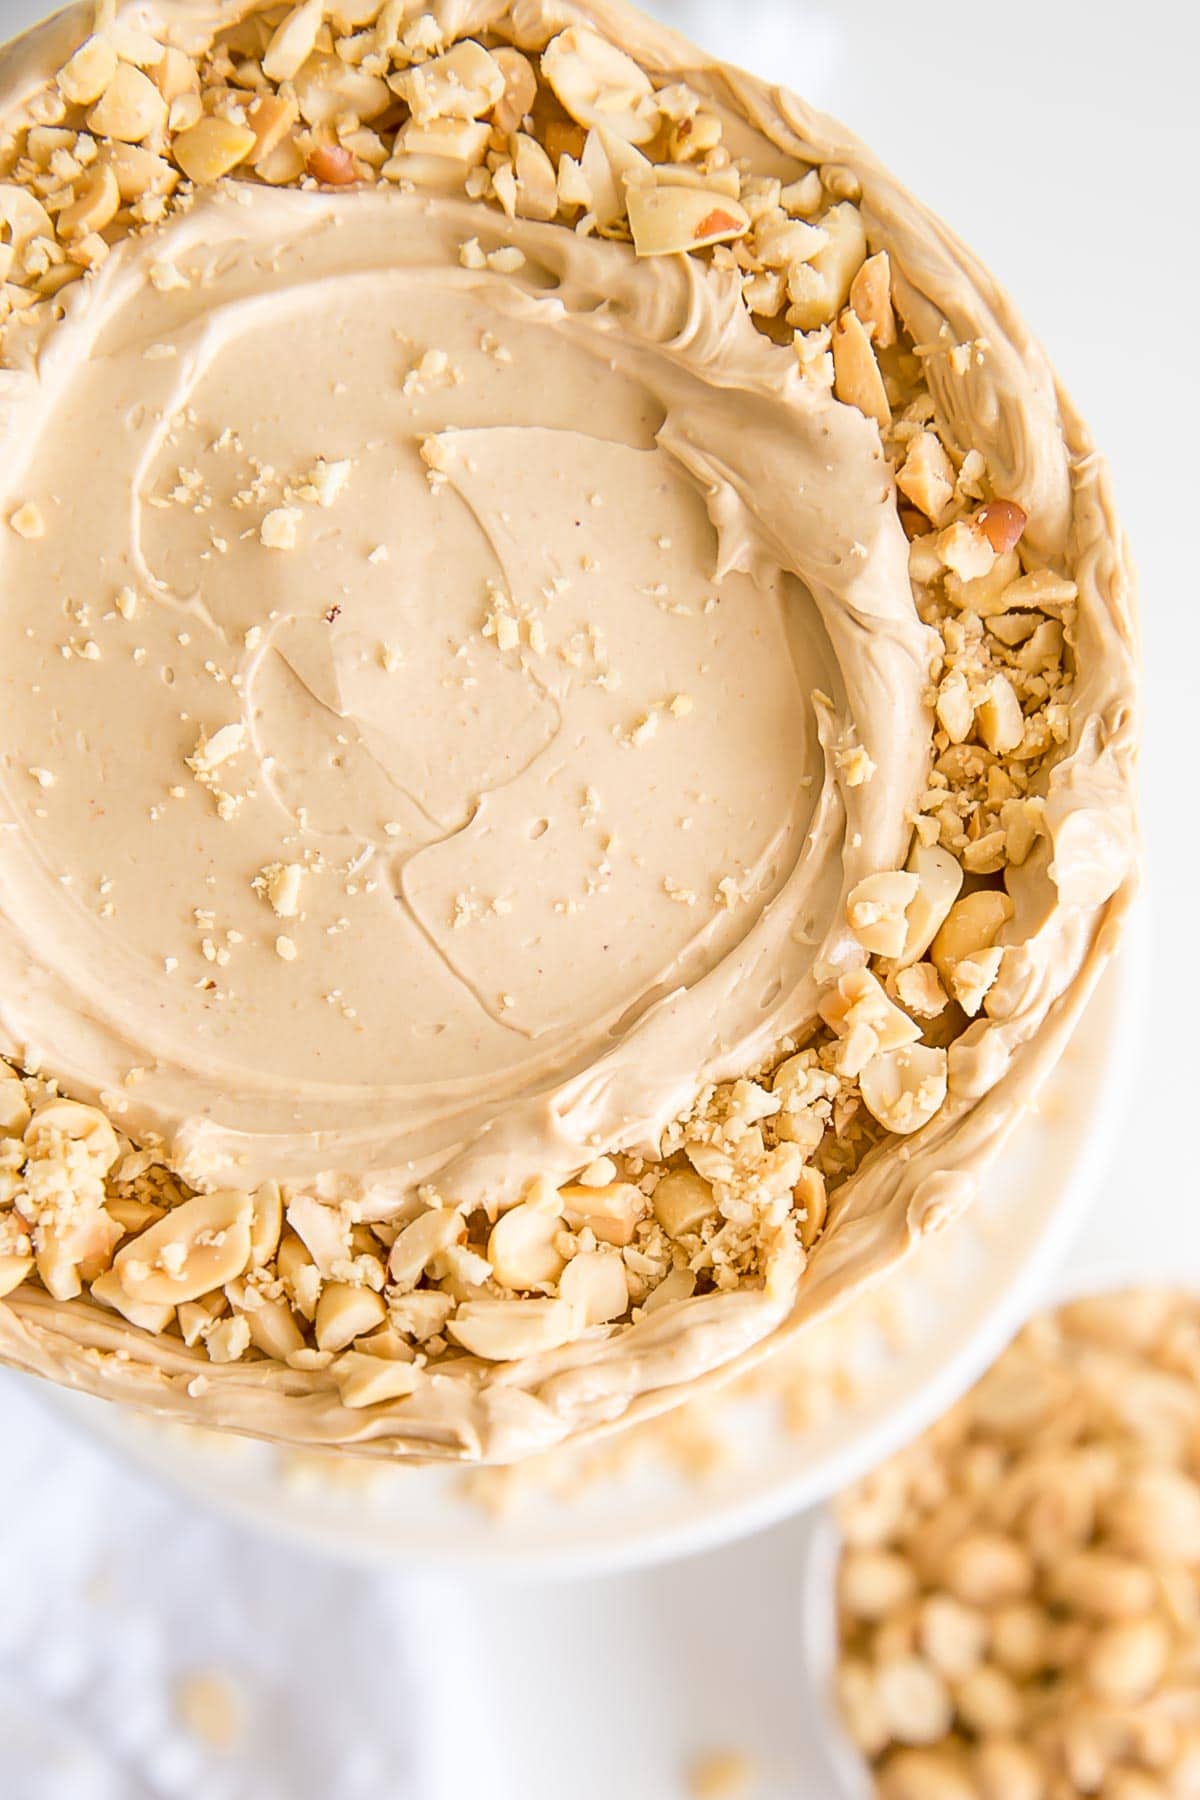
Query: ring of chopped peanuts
{"points": [[564, 127], [1019, 1591]]}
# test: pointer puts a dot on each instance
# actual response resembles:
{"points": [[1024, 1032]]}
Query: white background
{"points": [[1061, 139]]}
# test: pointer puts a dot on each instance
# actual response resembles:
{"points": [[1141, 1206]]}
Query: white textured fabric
{"points": [[118, 1596]]}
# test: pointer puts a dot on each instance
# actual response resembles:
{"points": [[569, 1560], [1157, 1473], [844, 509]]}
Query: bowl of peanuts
{"points": [[1010, 1608]]}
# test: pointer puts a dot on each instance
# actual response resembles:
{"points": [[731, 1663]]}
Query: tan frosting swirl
{"points": [[512, 856], [546, 703]]}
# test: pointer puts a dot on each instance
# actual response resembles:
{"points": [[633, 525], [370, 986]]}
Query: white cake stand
{"points": [[887, 1365]]}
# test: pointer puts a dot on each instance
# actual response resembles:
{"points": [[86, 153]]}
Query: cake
{"points": [[569, 717]]}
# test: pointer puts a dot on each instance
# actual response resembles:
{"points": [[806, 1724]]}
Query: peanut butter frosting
{"points": [[568, 679]]}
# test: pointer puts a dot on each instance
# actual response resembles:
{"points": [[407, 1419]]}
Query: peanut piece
{"points": [[521, 1248], [1040, 588], [96, 204], [270, 117], [819, 288], [951, 1635], [84, 77], [682, 1201], [873, 1583], [856, 378], [811, 1198], [266, 1223], [299, 1274], [693, 137], [989, 1703], [668, 219], [328, 163], [227, 1340], [1008, 1770], [876, 910], [420, 1314], [293, 42], [1127, 1660], [594, 1283], [984, 593], [536, 182], [373, 1380], [871, 299], [139, 171], [927, 477], [147, 1315], [903, 1089], [520, 89], [1002, 523], [463, 84], [195, 1247], [986, 1569], [954, 706], [13, 1270], [345, 1313], [463, 140], [73, 1246], [940, 882], [971, 925], [78, 1124], [212, 148], [507, 1330], [140, 48], [599, 85], [130, 109], [865, 1020], [328, 90], [966, 551], [923, 1775], [999, 716], [1103, 1585], [14, 1104], [611, 1213], [175, 74], [273, 1330], [420, 1241], [914, 1700], [859, 1705], [1157, 1515]]}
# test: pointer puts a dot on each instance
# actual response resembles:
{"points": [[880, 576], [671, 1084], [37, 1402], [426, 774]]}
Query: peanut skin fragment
{"points": [[1002, 522], [332, 165]]}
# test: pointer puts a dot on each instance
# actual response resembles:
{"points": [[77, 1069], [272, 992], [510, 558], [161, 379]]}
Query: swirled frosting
{"points": [[528, 701]]}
